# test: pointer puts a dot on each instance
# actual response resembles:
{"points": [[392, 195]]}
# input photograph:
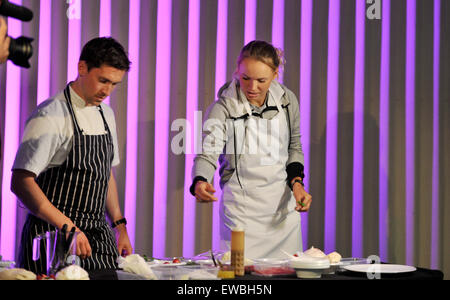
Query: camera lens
{"points": [[20, 51]]}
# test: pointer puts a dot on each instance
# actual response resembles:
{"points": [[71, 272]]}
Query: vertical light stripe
{"points": [[250, 21], [191, 108], [44, 51], [358, 131], [305, 98], [73, 39], [221, 78], [383, 199], [409, 126], [12, 121], [105, 25], [435, 220], [105, 18], [162, 96], [132, 118], [332, 125], [278, 28]]}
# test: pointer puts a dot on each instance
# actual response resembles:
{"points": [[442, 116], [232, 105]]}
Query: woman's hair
{"points": [[263, 52], [106, 51]]}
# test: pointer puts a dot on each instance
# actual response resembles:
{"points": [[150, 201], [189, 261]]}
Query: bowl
{"points": [[170, 272], [309, 267], [272, 267], [201, 272]]}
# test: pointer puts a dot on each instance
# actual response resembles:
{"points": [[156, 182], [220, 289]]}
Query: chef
{"points": [[253, 130], [63, 168]]}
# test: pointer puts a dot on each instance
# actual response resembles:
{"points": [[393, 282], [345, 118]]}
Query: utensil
{"points": [[213, 259], [70, 238]]}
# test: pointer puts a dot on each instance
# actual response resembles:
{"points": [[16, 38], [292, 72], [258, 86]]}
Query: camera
{"points": [[20, 49]]}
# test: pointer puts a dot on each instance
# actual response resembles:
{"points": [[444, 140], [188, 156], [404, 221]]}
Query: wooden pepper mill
{"points": [[237, 252]]}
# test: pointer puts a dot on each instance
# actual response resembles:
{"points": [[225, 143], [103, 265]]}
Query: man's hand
{"points": [[204, 192], [123, 241], [84, 249], [4, 41]]}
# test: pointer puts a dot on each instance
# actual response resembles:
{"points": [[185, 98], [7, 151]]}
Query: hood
{"points": [[233, 97]]}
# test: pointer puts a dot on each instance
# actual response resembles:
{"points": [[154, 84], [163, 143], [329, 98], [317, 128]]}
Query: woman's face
{"points": [[255, 78]]}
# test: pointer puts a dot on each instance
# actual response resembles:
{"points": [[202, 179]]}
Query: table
{"points": [[419, 274]]}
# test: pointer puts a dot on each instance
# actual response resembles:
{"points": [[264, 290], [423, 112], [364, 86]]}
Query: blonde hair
{"points": [[263, 52]]}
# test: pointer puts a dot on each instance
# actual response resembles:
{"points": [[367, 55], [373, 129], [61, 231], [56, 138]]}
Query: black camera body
{"points": [[20, 49]]}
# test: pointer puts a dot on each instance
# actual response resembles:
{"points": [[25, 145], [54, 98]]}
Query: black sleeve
{"points": [[196, 179], [293, 170]]}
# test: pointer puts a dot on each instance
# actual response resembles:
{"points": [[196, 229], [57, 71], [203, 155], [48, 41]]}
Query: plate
{"points": [[162, 264], [6, 263], [380, 268]]}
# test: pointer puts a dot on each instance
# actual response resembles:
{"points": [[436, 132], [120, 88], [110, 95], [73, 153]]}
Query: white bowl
{"points": [[201, 272], [170, 272], [309, 267]]}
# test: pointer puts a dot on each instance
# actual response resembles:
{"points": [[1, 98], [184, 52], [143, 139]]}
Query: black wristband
{"points": [[118, 222], [196, 179], [296, 180]]}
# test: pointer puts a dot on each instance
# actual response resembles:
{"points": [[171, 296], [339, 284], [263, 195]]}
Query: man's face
{"points": [[98, 83]]}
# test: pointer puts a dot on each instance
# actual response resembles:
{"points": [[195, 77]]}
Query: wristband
{"points": [[296, 180], [118, 222]]}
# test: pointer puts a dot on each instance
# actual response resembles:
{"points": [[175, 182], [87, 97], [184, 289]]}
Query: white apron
{"points": [[257, 198]]}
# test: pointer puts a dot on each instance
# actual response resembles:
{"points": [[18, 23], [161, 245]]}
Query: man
{"points": [[62, 171], [4, 41]]}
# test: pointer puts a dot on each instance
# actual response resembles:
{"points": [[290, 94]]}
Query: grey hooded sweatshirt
{"points": [[218, 132]]}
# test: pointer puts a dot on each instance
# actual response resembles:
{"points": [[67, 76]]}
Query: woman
{"points": [[253, 129]]}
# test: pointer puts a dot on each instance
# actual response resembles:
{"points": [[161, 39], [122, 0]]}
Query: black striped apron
{"points": [[78, 188]]}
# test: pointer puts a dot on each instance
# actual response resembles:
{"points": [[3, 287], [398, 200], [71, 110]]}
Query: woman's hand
{"points": [[302, 198], [204, 192]]}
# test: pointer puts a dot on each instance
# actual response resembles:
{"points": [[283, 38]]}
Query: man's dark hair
{"points": [[106, 51]]}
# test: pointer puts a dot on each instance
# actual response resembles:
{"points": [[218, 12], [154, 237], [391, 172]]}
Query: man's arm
{"points": [[23, 184], [115, 214]]}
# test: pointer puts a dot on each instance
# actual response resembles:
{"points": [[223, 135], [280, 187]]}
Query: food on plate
{"points": [[334, 257], [72, 272], [17, 274], [147, 258], [315, 252]]}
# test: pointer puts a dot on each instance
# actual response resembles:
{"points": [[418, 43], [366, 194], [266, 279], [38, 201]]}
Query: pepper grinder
{"points": [[237, 252]]}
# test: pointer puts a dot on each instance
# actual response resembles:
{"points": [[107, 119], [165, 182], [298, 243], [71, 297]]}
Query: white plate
{"points": [[380, 268], [162, 264], [6, 263]]}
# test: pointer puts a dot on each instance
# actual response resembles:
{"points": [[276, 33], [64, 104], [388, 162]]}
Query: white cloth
{"points": [[134, 263], [47, 139], [256, 198]]}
